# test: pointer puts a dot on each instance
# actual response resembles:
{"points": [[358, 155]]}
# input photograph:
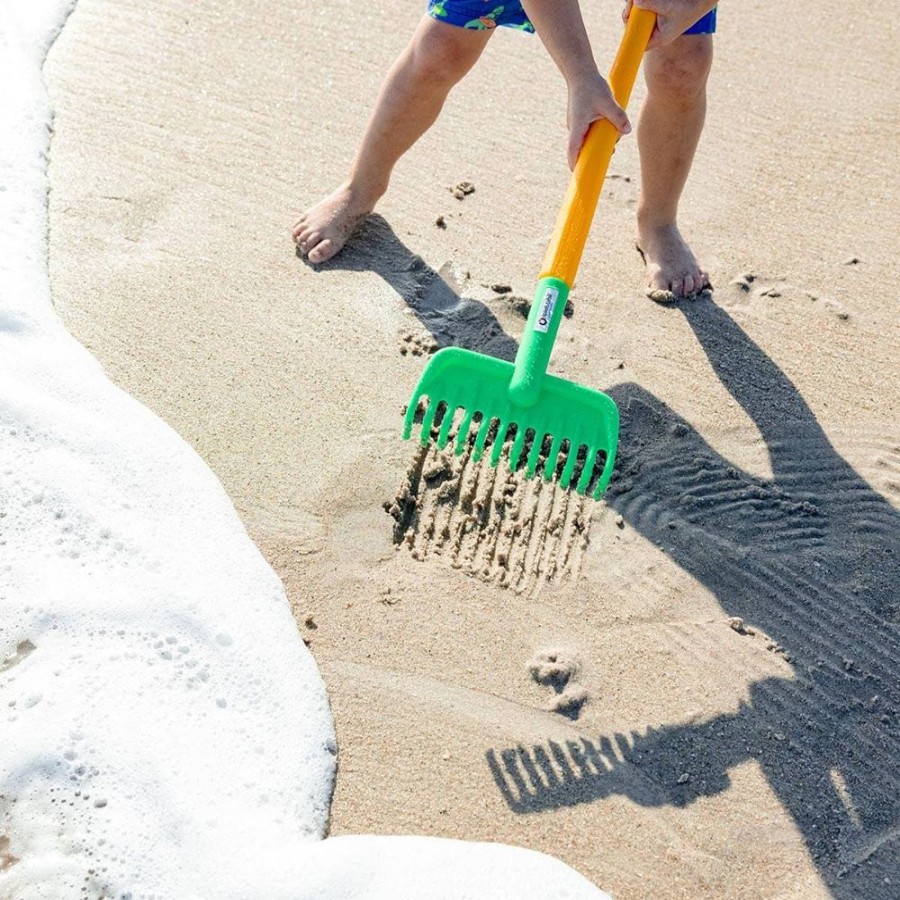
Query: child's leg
{"points": [[409, 102], [668, 131]]}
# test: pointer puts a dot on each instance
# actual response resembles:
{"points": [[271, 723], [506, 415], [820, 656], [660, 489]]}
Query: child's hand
{"points": [[590, 99], [673, 17]]}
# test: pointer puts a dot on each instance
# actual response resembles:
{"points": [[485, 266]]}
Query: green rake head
{"points": [[476, 392]]}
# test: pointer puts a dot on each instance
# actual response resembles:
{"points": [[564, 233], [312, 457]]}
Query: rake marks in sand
{"points": [[491, 523]]}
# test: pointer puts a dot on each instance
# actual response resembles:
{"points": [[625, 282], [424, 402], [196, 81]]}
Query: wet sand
{"points": [[689, 689]]}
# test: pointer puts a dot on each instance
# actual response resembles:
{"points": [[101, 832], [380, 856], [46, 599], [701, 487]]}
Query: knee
{"points": [[679, 72], [443, 55]]}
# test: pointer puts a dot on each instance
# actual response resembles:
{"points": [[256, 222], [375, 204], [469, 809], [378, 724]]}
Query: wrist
{"points": [[584, 77]]}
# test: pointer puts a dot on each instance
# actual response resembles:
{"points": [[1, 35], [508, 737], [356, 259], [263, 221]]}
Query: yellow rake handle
{"points": [[574, 221]]}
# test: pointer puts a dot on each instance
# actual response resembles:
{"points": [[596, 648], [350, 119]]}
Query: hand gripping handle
{"points": [[577, 212], [574, 221]]}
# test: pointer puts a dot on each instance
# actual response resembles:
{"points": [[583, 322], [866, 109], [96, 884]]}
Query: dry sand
{"points": [[699, 698]]}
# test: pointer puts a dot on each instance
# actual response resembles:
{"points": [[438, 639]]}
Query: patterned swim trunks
{"points": [[480, 14], [486, 14]]}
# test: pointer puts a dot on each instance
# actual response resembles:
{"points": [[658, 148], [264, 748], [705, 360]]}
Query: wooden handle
{"points": [[577, 212]]}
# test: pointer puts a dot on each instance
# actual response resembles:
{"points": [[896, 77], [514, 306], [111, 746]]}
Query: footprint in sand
{"points": [[557, 669], [621, 190], [759, 288]]}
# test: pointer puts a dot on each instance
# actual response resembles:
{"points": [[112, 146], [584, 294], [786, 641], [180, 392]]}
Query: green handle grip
{"points": [[537, 343]]}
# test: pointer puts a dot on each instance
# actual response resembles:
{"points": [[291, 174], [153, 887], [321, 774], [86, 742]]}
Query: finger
{"points": [[626, 11], [656, 38], [619, 118], [576, 139]]}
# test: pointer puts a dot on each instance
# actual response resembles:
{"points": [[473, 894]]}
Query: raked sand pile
{"points": [[688, 690]]}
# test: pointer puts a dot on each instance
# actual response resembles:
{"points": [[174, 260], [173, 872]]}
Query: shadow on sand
{"points": [[811, 557], [453, 320]]}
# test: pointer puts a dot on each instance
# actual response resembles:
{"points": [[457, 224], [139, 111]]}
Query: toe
{"points": [[309, 240], [658, 281], [323, 251], [688, 286]]}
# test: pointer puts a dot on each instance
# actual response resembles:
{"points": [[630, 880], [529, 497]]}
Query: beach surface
{"points": [[689, 689]]}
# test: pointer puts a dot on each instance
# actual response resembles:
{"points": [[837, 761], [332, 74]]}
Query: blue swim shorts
{"points": [[706, 25], [486, 14]]}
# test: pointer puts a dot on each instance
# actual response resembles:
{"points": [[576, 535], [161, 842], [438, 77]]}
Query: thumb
{"points": [[626, 12]]}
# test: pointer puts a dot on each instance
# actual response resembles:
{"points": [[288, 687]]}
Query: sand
{"points": [[505, 661]]}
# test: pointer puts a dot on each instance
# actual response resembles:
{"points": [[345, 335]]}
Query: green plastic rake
{"points": [[541, 414]]}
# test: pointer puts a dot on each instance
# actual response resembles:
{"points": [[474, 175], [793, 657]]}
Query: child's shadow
{"points": [[453, 320], [812, 558]]}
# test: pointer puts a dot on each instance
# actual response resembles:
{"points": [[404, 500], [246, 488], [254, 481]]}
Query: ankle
{"points": [[653, 219], [364, 192]]}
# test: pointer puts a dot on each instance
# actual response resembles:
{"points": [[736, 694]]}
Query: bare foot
{"points": [[324, 228], [671, 266]]}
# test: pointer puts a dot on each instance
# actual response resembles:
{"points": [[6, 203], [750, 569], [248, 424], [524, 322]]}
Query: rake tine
{"points": [[446, 425], [587, 471], [463, 432], [481, 438], [497, 449], [550, 462], [410, 417], [428, 419], [516, 452], [534, 455], [463, 403], [606, 473], [569, 467]]}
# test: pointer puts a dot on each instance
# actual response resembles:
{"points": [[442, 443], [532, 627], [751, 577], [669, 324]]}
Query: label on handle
{"points": [[548, 304]]}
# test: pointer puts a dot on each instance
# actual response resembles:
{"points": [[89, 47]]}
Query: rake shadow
{"points": [[812, 558]]}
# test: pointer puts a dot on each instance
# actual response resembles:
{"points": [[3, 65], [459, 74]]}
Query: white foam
{"points": [[162, 721], [418, 868], [165, 732]]}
